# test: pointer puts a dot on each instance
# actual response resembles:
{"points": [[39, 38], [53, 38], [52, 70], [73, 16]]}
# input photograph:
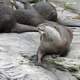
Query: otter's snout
{"points": [[41, 29]]}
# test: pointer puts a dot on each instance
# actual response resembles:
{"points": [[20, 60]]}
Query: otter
{"points": [[45, 9], [28, 17], [7, 19], [9, 24], [55, 40], [20, 28]]}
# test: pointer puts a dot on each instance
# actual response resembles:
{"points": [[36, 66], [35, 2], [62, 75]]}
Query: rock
{"points": [[67, 18], [13, 65], [71, 5], [19, 43], [75, 49]]}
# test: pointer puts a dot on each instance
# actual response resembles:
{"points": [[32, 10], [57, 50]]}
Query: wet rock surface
{"points": [[68, 12], [68, 18], [13, 65]]}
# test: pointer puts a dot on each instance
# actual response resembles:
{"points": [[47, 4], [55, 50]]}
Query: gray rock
{"points": [[73, 5], [13, 66], [66, 18]]}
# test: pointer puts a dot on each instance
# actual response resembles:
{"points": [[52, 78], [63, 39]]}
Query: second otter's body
{"points": [[55, 40]]}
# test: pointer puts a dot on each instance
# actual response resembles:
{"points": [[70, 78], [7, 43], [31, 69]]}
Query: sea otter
{"points": [[28, 16], [9, 24], [55, 40], [45, 9]]}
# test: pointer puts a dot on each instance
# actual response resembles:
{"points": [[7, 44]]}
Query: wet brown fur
{"points": [[47, 44]]}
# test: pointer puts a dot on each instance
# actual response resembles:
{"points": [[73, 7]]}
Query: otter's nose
{"points": [[41, 29]]}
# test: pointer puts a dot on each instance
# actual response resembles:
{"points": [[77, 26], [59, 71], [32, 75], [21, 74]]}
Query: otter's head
{"points": [[49, 32]]}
